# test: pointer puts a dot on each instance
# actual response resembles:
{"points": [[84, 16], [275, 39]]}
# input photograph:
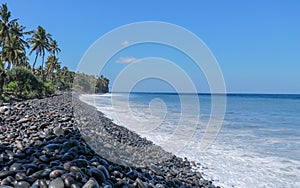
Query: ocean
{"points": [[258, 144]]}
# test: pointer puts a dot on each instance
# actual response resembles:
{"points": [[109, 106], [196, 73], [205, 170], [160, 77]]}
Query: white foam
{"points": [[240, 168], [228, 162]]}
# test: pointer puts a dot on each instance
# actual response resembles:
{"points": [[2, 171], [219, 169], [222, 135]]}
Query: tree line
{"points": [[21, 79]]}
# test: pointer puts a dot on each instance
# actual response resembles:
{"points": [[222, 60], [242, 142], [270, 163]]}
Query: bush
{"points": [[23, 81], [4, 97], [60, 85], [33, 94], [12, 86], [48, 88]]}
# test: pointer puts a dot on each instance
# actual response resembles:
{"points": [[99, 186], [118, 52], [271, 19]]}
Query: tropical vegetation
{"points": [[21, 79]]}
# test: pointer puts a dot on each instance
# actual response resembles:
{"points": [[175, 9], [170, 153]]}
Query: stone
{"points": [[57, 183], [92, 183], [4, 174], [22, 184], [15, 166], [58, 131], [19, 144], [44, 158], [103, 170], [43, 184], [98, 175], [77, 185], [140, 184], [155, 169], [51, 147], [74, 169], [23, 120], [55, 173], [3, 109], [132, 175], [67, 165], [11, 179], [117, 174], [81, 162], [69, 180], [41, 173], [160, 185]]}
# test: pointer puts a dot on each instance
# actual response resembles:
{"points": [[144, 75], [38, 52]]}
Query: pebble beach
{"points": [[46, 143]]}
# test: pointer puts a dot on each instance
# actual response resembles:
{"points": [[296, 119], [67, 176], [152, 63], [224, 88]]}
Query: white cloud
{"points": [[125, 43], [128, 60]]}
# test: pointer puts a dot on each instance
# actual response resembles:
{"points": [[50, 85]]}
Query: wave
{"points": [[238, 157]]}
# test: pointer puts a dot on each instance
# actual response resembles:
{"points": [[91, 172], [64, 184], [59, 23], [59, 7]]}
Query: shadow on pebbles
{"points": [[48, 143]]}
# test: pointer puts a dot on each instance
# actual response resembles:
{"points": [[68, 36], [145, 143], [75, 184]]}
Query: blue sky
{"points": [[256, 43]]}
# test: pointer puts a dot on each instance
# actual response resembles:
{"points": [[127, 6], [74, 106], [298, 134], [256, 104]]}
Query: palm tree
{"points": [[57, 68], [51, 65], [54, 49], [14, 52], [66, 75], [39, 71], [64, 72], [25, 62], [5, 23], [52, 59], [40, 43], [5, 28], [18, 32], [2, 76]]}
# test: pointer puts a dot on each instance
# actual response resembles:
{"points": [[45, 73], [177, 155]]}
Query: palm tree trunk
{"points": [[2, 79], [34, 63], [43, 76]]}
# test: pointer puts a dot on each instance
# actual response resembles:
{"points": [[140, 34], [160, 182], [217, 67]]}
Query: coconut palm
{"points": [[5, 28], [54, 49], [64, 72], [40, 44], [57, 67], [51, 65], [14, 52], [25, 62], [17, 32], [66, 75], [2, 76], [39, 71], [5, 23]]}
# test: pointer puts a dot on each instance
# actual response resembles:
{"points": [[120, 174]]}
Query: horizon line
{"points": [[207, 93]]}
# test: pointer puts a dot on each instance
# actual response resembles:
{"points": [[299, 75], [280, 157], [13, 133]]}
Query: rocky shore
{"points": [[49, 143]]}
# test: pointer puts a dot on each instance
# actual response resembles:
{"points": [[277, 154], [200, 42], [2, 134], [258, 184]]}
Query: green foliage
{"points": [[64, 78], [4, 97], [33, 94], [83, 83], [16, 77], [90, 84], [27, 85], [12, 86], [22, 82], [49, 88], [102, 85], [25, 78], [40, 42]]}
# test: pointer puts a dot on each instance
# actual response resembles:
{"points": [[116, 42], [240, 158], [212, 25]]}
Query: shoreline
{"points": [[44, 143]]}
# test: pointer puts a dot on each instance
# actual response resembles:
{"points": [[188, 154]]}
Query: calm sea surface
{"points": [[258, 144]]}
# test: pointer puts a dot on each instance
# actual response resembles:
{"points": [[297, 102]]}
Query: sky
{"points": [[256, 43]]}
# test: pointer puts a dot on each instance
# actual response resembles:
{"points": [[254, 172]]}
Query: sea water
{"points": [[258, 144]]}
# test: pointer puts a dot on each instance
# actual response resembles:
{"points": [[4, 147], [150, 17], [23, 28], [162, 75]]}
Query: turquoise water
{"points": [[257, 145]]}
